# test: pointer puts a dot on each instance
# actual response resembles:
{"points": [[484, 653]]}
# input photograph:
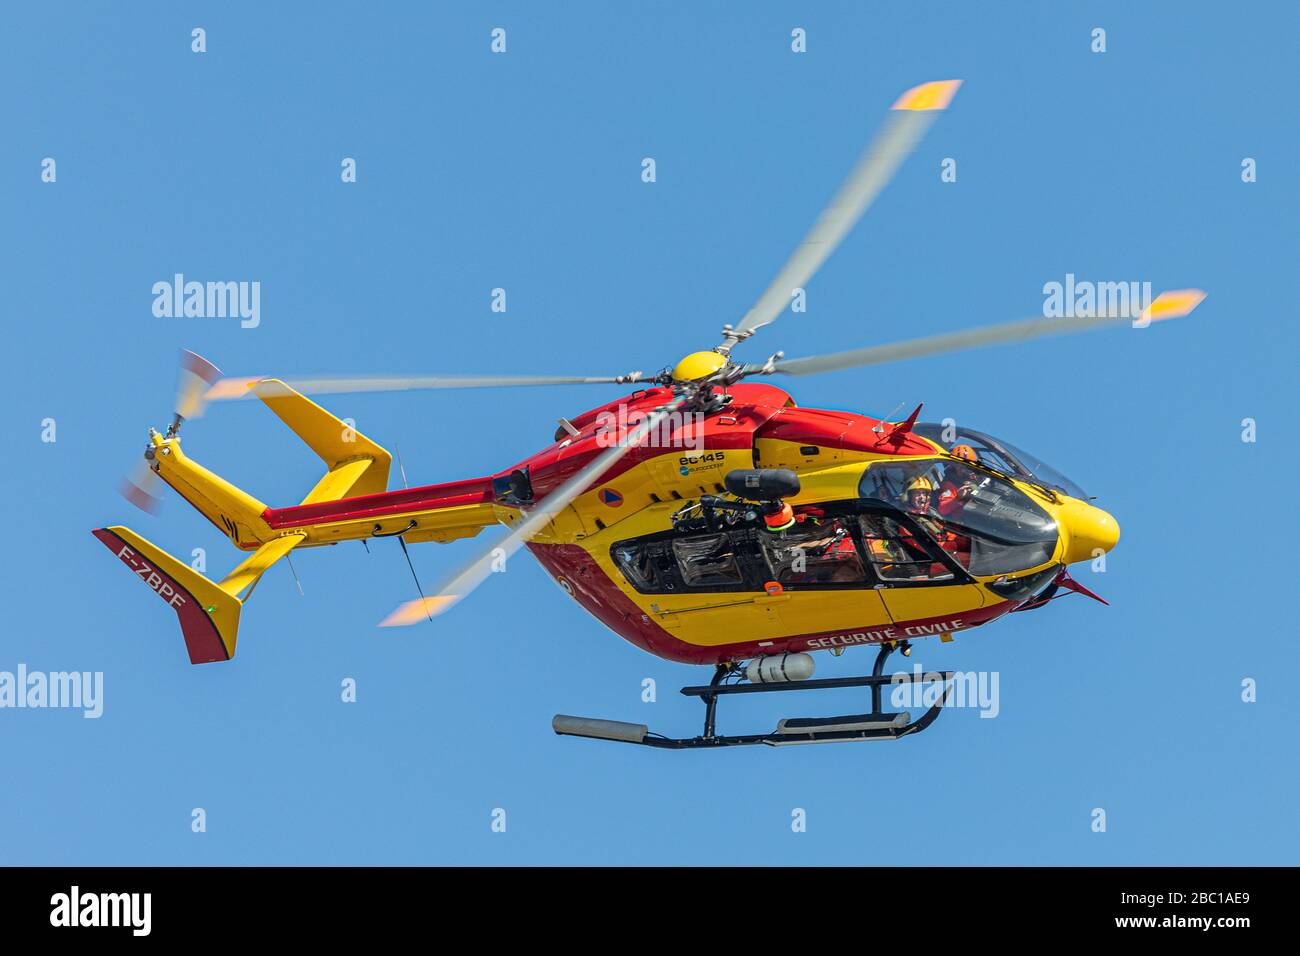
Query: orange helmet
{"points": [[962, 451]]}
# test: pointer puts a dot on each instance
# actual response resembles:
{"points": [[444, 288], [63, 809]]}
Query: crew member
{"points": [[918, 496], [958, 484]]}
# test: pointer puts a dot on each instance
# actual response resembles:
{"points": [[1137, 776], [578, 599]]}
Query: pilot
{"points": [[964, 451], [953, 494], [918, 497], [918, 494]]}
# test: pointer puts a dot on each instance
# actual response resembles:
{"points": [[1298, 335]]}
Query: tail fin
{"points": [[208, 612], [357, 466]]}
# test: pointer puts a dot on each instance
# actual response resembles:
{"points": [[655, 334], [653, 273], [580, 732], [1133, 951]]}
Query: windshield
{"points": [[988, 525], [1001, 456]]}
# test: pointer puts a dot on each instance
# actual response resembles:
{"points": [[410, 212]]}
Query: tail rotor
{"points": [[196, 376], [142, 486]]}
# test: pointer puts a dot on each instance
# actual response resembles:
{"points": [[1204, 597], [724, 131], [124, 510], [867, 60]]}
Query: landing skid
{"points": [[876, 725]]}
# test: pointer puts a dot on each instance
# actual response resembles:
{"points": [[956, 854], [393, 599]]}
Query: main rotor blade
{"points": [[478, 571], [231, 388], [1167, 305], [908, 120]]}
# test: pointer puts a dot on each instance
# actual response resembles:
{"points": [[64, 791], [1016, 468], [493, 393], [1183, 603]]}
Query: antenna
{"points": [[405, 484], [401, 539], [296, 580], [879, 427]]}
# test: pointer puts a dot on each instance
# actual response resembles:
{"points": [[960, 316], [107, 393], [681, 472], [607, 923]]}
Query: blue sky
{"points": [[522, 171]]}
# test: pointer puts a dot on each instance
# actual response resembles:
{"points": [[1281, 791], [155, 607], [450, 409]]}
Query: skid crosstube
{"points": [[876, 725]]}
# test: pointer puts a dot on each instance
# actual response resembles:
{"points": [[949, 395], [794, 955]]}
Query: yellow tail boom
{"points": [[208, 611]]}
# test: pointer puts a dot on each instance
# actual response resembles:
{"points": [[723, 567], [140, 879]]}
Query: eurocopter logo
{"points": [[674, 430], [209, 300], [1085, 299], [103, 909], [37, 689]]}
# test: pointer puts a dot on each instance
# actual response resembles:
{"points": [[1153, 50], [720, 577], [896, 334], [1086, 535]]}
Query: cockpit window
{"points": [[1001, 456], [987, 524]]}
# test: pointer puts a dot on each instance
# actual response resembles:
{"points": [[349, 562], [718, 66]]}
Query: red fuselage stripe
{"points": [[581, 577], [470, 492]]}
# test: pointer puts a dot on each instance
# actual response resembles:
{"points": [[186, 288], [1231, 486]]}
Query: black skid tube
{"points": [[875, 725]]}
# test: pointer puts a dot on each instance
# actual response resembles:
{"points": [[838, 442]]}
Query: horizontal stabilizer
{"points": [[357, 466], [242, 579]]}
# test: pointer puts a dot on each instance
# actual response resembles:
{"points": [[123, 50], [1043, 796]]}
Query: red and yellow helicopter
{"points": [[705, 517]]}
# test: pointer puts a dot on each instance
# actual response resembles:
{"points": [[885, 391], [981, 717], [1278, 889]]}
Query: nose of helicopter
{"points": [[1087, 530]]}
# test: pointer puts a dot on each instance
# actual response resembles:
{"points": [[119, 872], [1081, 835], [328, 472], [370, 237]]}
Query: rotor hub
{"points": [[698, 366]]}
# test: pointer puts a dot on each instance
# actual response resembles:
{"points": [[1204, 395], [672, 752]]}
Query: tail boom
{"points": [[457, 509], [237, 514], [349, 503]]}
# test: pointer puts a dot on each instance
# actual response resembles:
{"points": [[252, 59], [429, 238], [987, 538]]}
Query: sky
{"points": [[522, 170]]}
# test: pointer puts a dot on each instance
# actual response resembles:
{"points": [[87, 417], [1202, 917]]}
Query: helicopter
{"points": [[705, 517]]}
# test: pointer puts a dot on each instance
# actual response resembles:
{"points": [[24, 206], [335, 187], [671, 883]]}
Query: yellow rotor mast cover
{"points": [[697, 366]]}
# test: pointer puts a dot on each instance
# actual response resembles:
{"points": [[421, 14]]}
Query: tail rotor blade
{"points": [[197, 376], [143, 488]]}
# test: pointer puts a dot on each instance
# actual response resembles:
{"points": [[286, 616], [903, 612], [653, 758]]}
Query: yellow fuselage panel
{"points": [[436, 524], [712, 619]]}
